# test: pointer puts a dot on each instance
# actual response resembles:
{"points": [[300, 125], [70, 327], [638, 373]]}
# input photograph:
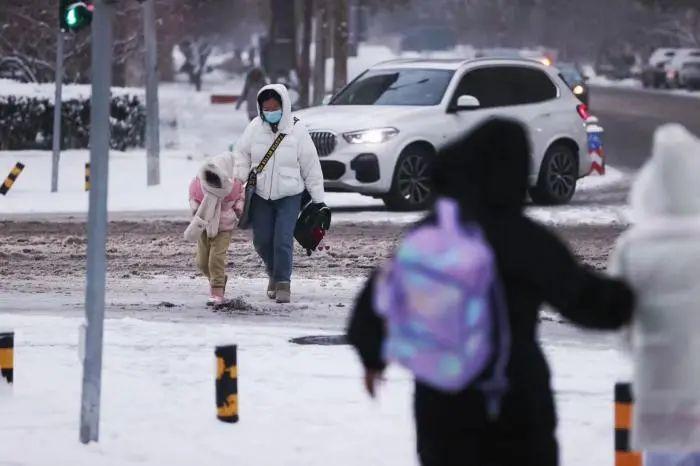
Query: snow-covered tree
{"points": [[679, 20]]}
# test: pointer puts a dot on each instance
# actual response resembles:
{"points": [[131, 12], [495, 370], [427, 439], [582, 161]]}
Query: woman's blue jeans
{"points": [[273, 234]]}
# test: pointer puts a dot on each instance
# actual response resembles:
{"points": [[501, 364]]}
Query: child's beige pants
{"points": [[212, 254]]}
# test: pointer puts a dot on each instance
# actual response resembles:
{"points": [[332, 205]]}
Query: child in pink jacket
{"points": [[212, 251]]}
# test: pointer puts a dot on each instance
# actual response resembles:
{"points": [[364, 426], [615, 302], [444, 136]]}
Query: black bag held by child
{"points": [[312, 224], [251, 185]]}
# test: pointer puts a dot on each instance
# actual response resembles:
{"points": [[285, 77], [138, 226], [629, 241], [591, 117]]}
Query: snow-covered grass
{"points": [[129, 193], [299, 405], [127, 183]]}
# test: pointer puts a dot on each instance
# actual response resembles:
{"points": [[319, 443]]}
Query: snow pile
{"points": [[299, 405], [604, 81]]}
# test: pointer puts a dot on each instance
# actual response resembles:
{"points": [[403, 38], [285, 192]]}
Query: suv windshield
{"points": [[396, 87]]}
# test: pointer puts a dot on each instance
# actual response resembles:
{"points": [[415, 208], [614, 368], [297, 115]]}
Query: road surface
{"points": [[630, 117]]}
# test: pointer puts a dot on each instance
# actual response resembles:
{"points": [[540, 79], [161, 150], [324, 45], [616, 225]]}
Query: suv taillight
{"points": [[583, 112]]}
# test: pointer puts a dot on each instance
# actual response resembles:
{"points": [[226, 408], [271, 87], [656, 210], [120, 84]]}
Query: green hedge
{"points": [[27, 123]]}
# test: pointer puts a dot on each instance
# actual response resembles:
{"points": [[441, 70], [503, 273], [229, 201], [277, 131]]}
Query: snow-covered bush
{"points": [[27, 123]]}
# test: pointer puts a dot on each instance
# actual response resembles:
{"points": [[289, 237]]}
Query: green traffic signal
{"points": [[74, 15], [72, 19]]}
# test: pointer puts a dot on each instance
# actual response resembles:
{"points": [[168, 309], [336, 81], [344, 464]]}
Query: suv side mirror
{"points": [[467, 102], [327, 99]]}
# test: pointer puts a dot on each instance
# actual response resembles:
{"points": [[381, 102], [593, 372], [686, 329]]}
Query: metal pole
{"points": [[97, 218], [57, 111], [152, 112]]}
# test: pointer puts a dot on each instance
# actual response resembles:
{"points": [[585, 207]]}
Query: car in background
{"points": [[654, 73], [573, 76], [689, 76], [379, 134], [674, 66]]}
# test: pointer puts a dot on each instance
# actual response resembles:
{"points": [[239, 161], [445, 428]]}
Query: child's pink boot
{"points": [[211, 301], [217, 296]]}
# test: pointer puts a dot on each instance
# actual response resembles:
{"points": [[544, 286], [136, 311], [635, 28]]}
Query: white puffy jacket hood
{"points": [[668, 186], [660, 258], [295, 165], [287, 118]]}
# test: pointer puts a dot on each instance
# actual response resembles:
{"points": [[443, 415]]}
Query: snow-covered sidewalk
{"points": [[299, 405]]}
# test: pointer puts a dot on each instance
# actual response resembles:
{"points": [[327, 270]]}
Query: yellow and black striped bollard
{"points": [[624, 402], [87, 176], [11, 178], [227, 383], [7, 348]]}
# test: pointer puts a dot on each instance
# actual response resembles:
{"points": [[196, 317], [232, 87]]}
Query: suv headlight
{"points": [[370, 136]]}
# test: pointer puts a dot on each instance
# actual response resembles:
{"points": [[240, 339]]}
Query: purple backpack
{"points": [[446, 317]]}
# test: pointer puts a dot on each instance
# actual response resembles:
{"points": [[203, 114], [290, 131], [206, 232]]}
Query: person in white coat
{"points": [[293, 168], [660, 258]]}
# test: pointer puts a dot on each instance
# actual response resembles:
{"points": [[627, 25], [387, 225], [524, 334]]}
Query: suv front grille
{"points": [[324, 141]]}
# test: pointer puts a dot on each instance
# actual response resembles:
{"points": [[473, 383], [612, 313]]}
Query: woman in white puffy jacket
{"points": [[660, 258], [293, 167]]}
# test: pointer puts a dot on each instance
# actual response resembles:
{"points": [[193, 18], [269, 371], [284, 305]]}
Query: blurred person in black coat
{"points": [[486, 171]]}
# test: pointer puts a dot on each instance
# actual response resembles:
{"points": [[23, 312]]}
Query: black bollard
{"points": [[226, 383], [7, 347]]}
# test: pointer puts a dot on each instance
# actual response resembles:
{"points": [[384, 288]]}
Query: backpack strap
{"points": [[448, 214]]}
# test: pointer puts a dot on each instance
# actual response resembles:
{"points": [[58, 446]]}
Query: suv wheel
{"points": [[558, 174], [411, 189]]}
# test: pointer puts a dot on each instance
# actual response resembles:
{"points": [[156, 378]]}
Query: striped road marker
{"points": [[11, 178], [7, 348], [87, 176], [624, 404], [227, 383]]}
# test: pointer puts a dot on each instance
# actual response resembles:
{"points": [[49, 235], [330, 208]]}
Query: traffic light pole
{"points": [[152, 112], [60, 38], [102, 41]]}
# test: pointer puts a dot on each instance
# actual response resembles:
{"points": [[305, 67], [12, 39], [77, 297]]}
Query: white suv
{"points": [[378, 135]]}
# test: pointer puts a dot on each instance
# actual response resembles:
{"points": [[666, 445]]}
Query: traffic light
{"points": [[74, 15]]}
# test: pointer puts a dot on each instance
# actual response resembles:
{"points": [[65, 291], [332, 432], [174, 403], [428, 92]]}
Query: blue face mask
{"points": [[273, 117]]}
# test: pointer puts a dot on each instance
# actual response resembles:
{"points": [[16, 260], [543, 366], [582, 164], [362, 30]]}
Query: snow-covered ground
{"points": [[299, 405], [633, 83], [129, 193]]}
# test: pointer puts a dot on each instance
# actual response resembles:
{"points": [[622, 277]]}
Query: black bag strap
{"points": [[271, 151]]}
